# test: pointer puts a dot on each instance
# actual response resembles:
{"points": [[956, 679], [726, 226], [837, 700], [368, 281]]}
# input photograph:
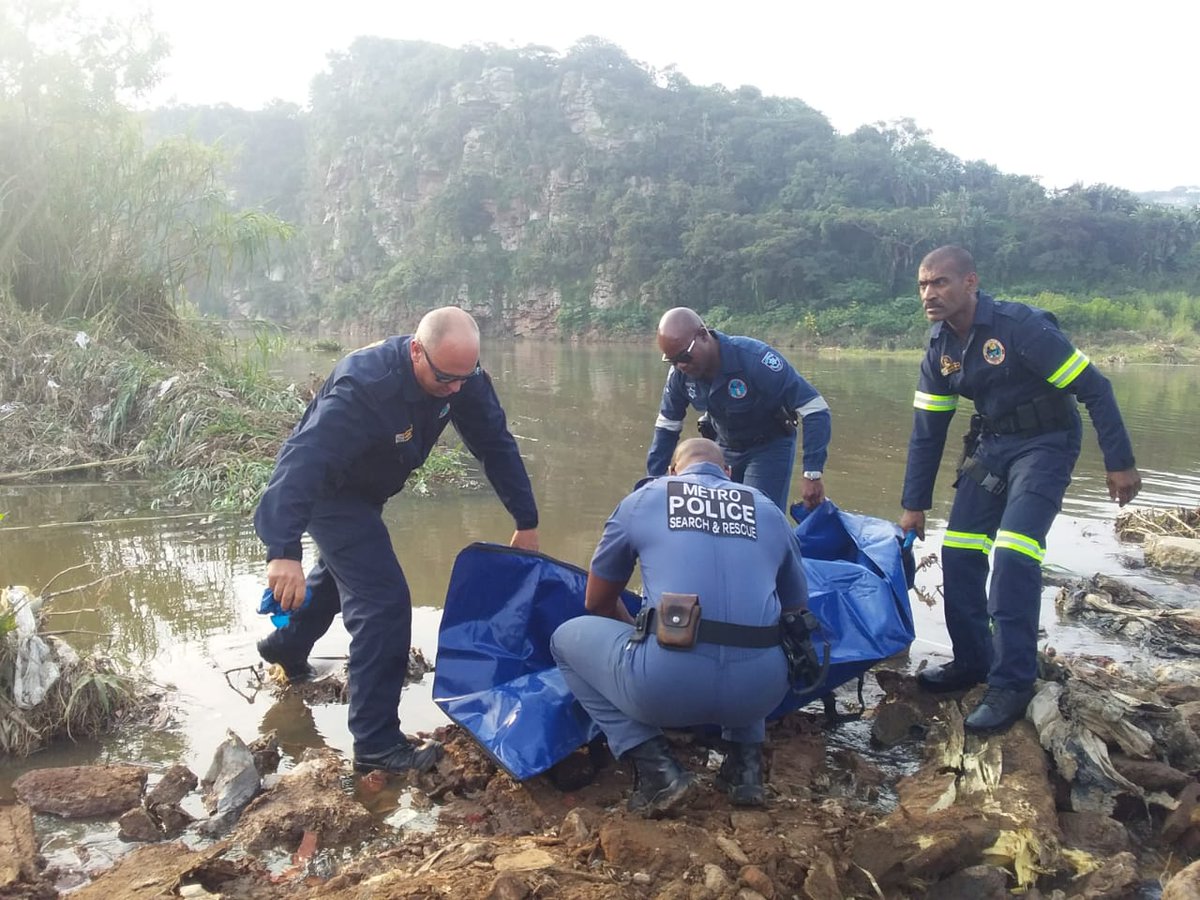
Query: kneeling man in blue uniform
{"points": [[1024, 376], [374, 421], [719, 562]]}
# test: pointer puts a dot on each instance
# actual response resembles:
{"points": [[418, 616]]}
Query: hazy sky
{"points": [[1057, 89]]}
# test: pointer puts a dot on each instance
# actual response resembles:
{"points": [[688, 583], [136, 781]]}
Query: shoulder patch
{"points": [[772, 361], [950, 365], [993, 352], [691, 390], [444, 411]]}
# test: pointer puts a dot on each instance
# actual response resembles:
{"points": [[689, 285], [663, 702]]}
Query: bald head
{"points": [[447, 323], [956, 259], [679, 324], [445, 351], [696, 450], [687, 344]]}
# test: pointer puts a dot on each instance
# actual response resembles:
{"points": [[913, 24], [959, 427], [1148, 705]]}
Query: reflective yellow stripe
{"points": [[965, 540], [1069, 371], [935, 402], [1010, 540]]}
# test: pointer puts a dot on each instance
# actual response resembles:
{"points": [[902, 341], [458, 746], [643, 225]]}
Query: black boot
{"points": [[660, 785], [272, 650], [741, 775], [949, 677], [999, 708], [405, 756]]}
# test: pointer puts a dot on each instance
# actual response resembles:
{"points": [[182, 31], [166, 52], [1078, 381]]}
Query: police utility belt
{"points": [[1049, 412], [677, 625]]}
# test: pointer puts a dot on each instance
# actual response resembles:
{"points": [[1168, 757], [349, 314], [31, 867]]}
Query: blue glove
{"points": [[269, 605]]}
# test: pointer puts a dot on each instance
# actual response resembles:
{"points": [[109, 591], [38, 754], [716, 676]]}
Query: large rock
{"points": [[309, 798], [81, 792], [1179, 555], [18, 848]]}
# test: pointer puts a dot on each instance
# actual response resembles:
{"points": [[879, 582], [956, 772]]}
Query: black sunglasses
{"points": [[683, 357], [445, 377]]}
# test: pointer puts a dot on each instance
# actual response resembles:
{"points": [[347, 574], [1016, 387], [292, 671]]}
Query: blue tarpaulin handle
{"points": [[909, 538], [268, 605]]}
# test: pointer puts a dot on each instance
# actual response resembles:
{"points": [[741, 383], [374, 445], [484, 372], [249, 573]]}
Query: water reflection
{"points": [[181, 603]]}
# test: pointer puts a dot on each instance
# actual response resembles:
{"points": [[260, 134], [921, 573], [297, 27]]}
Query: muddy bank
{"points": [[1094, 795]]}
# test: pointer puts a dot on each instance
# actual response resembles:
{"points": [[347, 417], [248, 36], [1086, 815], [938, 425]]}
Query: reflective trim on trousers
{"points": [[965, 540], [1021, 543]]}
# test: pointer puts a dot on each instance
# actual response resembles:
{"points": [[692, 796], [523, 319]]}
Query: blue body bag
{"points": [[495, 676]]}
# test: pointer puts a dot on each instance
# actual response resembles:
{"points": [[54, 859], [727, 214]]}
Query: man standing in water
{"points": [[375, 420], [751, 399], [1024, 376]]}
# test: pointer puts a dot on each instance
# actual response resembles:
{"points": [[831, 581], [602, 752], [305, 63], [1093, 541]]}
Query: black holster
{"points": [[796, 634], [971, 466], [705, 426]]}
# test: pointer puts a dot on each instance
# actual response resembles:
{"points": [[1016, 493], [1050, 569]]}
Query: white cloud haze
{"points": [[1066, 91]]}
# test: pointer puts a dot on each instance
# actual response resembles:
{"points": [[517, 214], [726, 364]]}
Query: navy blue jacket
{"points": [[369, 427], [1013, 354], [744, 401]]}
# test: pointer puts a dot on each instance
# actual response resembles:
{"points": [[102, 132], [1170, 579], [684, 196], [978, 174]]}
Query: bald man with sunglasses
{"points": [[374, 421], [751, 401]]}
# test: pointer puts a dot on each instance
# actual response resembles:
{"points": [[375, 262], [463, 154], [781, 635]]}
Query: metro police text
{"points": [[723, 511]]}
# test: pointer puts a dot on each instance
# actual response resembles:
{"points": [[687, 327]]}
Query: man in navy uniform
{"points": [[375, 420], [698, 533], [750, 398], [1024, 376]]}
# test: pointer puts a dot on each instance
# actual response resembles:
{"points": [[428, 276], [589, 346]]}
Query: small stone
{"points": [[715, 879], [176, 783], [171, 818], [758, 880], [641, 878], [508, 886], [137, 825], [731, 849], [574, 829]]}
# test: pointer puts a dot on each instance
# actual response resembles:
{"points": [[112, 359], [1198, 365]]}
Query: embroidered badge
{"points": [[950, 365], [691, 390], [772, 361], [405, 436], [737, 389], [993, 352], [443, 411]]}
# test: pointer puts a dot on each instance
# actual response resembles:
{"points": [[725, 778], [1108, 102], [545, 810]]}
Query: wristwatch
{"points": [[813, 476]]}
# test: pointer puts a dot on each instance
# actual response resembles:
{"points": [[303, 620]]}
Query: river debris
{"points": [[49, 691], [1179, 521], [1111, 605], [232, 781]]}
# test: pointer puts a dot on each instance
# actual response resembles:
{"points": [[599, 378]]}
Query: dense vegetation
{"points": [[549, 193], [508, 179]]}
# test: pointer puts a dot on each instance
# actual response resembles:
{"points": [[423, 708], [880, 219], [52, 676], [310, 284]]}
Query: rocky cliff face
{"points": [[465, 196]]}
